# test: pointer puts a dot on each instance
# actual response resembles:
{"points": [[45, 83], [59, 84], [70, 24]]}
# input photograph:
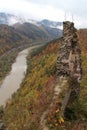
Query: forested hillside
{"points": [[36, 32], [24, 111], [36, 90], [82, 33], [24, 35], [10, 38]]}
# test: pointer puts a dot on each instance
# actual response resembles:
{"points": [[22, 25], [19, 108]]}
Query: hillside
{"points": [[23, 35], [82, 33], [11, 19], [37, 32], [10, 38], [32, 99], [52, 24]]}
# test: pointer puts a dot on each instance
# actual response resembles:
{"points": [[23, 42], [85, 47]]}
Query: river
{"points": [[12, 82]]}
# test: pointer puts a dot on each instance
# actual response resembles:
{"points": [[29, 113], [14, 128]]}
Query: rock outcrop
{"points": [[69, 57], [69, 63], [69, 74]]}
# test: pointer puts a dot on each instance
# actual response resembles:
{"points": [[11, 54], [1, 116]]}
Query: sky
{"points": [[56, 10]]}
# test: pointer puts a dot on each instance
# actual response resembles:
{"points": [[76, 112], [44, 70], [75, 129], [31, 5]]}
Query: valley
{"points": [[36, 93], [12, 81], [38, 90]]}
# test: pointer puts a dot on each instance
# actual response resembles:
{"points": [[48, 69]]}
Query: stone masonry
{"points": [[69, 64], [69, 57]]}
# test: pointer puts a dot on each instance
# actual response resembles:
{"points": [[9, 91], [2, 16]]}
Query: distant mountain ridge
{"points": [[11, 19], [10, 39], [22, 34], [52, 24], [16, 31], [32, 31]]}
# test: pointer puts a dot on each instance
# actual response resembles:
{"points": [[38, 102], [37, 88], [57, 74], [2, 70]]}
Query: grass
{"points": [[35, 94], [23, 112], [5, 64]]}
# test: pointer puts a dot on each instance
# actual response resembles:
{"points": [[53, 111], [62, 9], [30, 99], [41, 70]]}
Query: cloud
{"points": [[50, 9], [76, 7], [39, 11]]}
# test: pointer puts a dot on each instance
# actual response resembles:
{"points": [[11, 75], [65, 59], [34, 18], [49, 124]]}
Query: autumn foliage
{"points": [[32, 99], [24, 111]]}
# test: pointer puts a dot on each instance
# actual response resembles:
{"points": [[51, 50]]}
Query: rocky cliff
{"points": [[69, 57], [69, 63]]}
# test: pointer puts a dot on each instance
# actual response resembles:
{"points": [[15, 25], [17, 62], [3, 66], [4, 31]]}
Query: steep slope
{"points": [[10, 38], [38, 32], [24, 34], [52, 24], [82, 33], [25, 109], [10, 19], [35, 30], [36, 90], [30, 30], [53, 32]]}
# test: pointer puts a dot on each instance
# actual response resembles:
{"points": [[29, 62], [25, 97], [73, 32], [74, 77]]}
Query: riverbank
{"points": [[8, 58], [5, 64], [35, 95], [35, 92], [12, 81]]}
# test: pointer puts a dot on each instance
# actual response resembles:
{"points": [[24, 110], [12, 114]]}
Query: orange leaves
{"points": [[57, 111], [36, 91], [54, 119]]}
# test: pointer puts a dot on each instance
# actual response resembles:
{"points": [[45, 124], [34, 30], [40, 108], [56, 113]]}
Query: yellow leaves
{"points": [[35, 92], [54, 118], [61, 120]]}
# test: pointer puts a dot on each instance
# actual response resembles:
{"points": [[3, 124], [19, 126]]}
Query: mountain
{"points": [[30, 102], [11, 19], [51, 24], [33, 31], [22, 34], [10, 38], [35, 93]]}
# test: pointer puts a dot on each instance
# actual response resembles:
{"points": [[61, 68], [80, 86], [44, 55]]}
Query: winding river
{"points": [[12, 82]]}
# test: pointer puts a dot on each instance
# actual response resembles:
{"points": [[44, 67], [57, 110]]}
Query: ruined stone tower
{"points": [[69, 64], [69, 57]]}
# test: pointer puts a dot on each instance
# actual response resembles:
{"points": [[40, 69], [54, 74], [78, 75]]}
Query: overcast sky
{"points": [[48, 9]]}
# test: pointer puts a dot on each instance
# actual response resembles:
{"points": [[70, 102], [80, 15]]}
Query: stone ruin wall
{"points": [[69, 64], [69, 57]]}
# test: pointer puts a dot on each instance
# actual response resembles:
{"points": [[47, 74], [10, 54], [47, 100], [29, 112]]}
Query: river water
{"points": [[12, 82]]}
